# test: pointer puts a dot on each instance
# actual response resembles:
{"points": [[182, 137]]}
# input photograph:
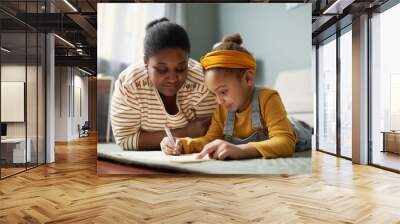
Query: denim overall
{"points": [[303, 142]]}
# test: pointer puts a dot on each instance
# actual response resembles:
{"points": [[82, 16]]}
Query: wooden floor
{"points": [[10, 171], [5, 172], [69, 191], [387, 159]]}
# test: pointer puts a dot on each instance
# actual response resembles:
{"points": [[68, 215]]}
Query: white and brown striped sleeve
{"points": [[125, 116], [206, 106]]}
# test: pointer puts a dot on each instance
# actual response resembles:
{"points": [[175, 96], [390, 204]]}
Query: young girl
{"points": [[249, 122]]}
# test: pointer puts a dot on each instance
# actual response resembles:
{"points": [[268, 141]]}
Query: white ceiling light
{"points": [[86, 72], [70, 5], [5, 49], [64, 40], [338, 6]]}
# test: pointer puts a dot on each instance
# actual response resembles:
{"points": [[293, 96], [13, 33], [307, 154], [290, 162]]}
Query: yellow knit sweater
{"points": [[282, 137]]}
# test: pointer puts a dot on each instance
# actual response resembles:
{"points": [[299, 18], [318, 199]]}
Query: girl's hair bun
{"points": [[235, 38]]}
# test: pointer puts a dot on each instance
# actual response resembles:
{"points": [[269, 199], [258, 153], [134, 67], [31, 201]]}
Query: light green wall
{"points": [[278, 36], [201, 23]]}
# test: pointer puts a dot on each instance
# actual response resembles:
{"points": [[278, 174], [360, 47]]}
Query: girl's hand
{"points": [[221, 150], [170, 149]]}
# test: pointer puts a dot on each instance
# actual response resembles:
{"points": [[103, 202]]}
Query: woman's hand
{"points": [[198, 127], [221, 150], [170, 149]]}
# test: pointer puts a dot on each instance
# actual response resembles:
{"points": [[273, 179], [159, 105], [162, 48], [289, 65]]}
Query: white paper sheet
{"points": [[152, 156], [187, 158]]}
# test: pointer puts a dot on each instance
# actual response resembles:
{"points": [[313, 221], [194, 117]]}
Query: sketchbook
{"points": [[299, 163]]}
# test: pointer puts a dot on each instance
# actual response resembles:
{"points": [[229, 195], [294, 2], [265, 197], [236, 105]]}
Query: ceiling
{"points": [[76, 21], [76, 25]]}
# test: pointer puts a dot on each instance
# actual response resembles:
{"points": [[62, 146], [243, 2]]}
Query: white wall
{"points": [[70, 83], [33, 126], [61, 103], [13, 73], [79, 117]]}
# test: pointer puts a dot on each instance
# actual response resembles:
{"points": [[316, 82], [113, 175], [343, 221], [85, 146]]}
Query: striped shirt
{"points": [[136, 104]]}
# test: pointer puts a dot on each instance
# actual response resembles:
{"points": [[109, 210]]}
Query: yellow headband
{"points": [[228, 59]]}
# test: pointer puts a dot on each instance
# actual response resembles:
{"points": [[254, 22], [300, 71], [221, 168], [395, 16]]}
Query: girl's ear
{"points": [[250, 77]]}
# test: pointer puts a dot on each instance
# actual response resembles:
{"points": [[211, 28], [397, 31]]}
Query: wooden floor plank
{"points": [[69, 191]]}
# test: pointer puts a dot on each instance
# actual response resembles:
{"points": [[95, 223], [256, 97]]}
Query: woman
{"points": [[166, 89]]}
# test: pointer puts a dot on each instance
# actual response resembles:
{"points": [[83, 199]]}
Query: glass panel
{"points": [[41, 99], [23, 84], [13, 86], [346, 94], [31, 85], [327, 96], [395, 102], [386, 89], [314, 75], [31, 97]]}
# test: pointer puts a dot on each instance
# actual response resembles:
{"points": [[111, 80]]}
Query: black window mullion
{"points": [[26, 86], [317, 96], [0, 98], [338, 98], [45, 86], [369, 88], [37, 90]]}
